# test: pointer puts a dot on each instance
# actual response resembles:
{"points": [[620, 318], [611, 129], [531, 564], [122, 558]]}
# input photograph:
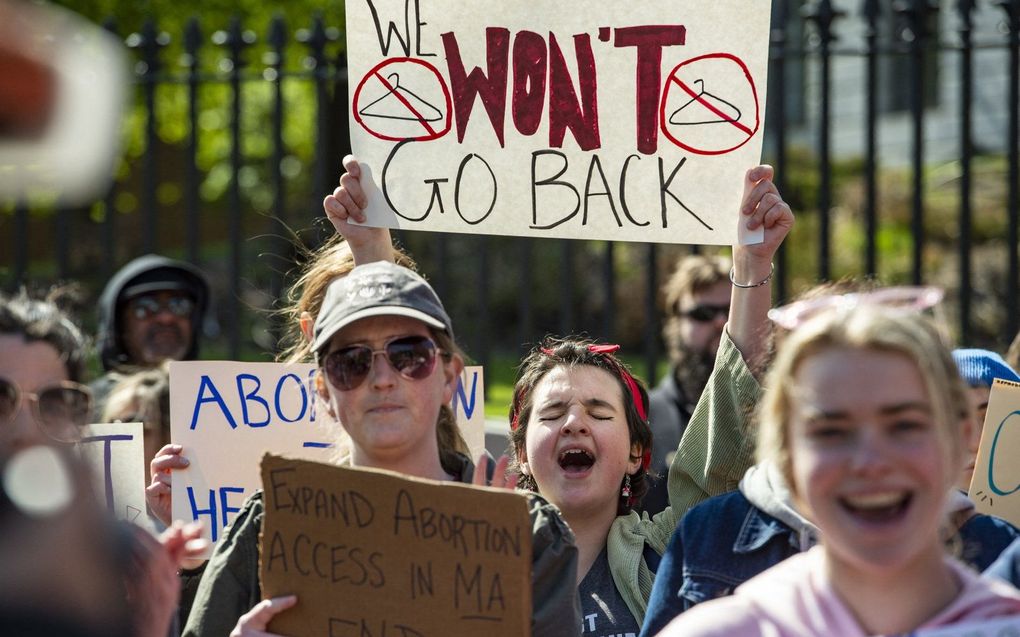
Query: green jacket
{"points": [[715, 451], [230, 587]]}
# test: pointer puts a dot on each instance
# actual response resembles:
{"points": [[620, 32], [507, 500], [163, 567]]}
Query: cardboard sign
{"points": [[469, 409], [995, 487], [628, 122], [1001, 627], [226, 415], [375, 553], [115, 454]]}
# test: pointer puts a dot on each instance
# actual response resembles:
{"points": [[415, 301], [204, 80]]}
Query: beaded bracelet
{"points": [[772, 270]]}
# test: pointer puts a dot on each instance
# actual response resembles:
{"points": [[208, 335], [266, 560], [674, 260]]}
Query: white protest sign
{"points": [[995, 487], [115, 454], [1001, 627], [604, 120], [469, 409], [226, 415]]}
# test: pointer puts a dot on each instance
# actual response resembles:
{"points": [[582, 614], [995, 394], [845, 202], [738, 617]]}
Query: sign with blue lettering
{"points": [[226, 415], [995, 487], [469, 409], [115, 454]]}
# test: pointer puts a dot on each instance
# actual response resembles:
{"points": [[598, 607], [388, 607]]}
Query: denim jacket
{"points": [[726, 540]]}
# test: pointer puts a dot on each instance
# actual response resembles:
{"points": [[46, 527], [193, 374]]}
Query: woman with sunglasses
{"points": [[41, 368], [41, 403], [872, 465], [388, 367]]}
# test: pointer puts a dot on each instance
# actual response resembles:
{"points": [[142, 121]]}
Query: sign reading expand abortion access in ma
{"points": [[377, 553], [600, 120]]}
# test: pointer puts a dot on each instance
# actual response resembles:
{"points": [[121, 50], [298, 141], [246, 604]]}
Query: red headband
{"points": [[628, 380]]}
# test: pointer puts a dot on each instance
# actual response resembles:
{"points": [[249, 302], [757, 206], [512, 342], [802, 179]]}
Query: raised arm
{"points": [[346, 205], [717, 448]]}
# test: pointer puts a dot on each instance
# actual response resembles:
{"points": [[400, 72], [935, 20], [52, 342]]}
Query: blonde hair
{"points": [[144, 396], [875, 328]]}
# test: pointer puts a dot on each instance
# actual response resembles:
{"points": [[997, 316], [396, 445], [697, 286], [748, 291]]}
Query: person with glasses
{"points": [[150, 311], [388, 367], [866, 418], [697, 305]]}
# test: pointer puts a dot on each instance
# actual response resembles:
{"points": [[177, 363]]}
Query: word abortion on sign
{"points": [[533, 118], [226, 415], [115, 454], [995, 487], [375, 553]]}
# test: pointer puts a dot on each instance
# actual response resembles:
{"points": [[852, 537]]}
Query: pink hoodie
{"points": [[794, 599]]}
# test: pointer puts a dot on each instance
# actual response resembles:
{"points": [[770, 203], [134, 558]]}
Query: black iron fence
{"points": [[236, 137]]}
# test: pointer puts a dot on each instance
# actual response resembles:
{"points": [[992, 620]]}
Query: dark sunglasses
{"points": [[60, 410], [706, 313], [413, 357], [147, 306]]}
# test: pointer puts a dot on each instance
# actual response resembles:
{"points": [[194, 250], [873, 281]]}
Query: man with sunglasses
{"points": [[697, 301], [150, 311]]}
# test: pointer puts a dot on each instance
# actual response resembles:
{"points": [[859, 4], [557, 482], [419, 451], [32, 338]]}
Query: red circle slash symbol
{"points": [[710, 105], [403, 99]]}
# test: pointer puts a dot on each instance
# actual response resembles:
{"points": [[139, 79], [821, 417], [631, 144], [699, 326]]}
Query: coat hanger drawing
{"points": [[389, 106], [728, 111]]}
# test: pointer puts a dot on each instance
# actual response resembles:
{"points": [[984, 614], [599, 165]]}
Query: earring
{"points": [[625, 491]]}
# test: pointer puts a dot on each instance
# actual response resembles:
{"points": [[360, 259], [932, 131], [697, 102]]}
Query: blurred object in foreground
{"points": [[62, 90]]}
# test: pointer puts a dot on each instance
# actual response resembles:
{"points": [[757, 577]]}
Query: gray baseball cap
{"points": [[378, 289]]}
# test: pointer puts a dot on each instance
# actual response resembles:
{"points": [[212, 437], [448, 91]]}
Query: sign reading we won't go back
{"points": [[593, 120]]}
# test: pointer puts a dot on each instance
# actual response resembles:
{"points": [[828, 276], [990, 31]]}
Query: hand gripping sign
{"points": [[532, 118]]}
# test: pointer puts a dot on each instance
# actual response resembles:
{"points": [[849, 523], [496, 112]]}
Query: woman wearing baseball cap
{"points": [[388, 367]]}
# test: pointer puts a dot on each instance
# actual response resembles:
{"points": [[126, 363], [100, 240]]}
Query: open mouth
{"points": [[882, 507], [576, 460]]}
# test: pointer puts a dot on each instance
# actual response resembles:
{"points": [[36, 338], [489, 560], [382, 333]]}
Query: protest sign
{"points": [[375, 553], [628, 122], [995, 487], [226, 415], [115, 454], [1001, 627], [469, 409]]}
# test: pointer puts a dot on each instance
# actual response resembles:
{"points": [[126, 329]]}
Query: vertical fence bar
{"points": [[63, 241], [568, 323], [651, 332], [316, 39], [192, 44], [108, 230], [823, 15], [778, 71], [484, 316], [150, 42], [609, 289], [872, 12], [235, 39], [277, 39], [916, 12], [965, 9], [1012, 9], [20, 239], [524, 327]]}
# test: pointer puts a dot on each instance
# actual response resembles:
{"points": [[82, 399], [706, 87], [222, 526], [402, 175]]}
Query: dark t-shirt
{"points": [[603, 611]]}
